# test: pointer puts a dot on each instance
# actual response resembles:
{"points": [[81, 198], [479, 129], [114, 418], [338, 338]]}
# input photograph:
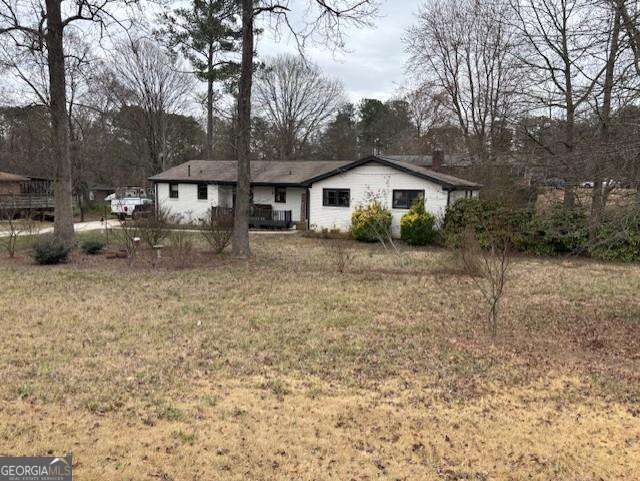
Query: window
{"points": [[404, 199], [173, 191], [203, 191], [336, 197], [281, 195]]}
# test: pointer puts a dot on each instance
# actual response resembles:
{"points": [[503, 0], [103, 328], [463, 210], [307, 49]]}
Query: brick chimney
{"points": [[437, 159]]}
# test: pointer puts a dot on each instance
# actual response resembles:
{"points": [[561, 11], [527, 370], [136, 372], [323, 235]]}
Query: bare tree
{"points": [[147, 77], [598, 167], [324, 18], [425, 107], [217, 228], [14, 224], [629, 12], [297, 99], [29, 67], [464, 49], [41, 26], [562, 50], [340, 255], [488, 268]]}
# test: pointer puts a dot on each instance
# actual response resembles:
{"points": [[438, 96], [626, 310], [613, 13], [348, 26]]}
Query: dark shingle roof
{"points": [[7, 177], [303, 172], [262, 171]]}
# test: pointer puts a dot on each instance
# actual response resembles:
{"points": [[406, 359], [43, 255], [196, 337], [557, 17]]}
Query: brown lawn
{"points": [[282, 368]]}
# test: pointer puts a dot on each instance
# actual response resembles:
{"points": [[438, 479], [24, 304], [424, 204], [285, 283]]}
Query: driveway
{"points": [[78, 227], [115, 224]]}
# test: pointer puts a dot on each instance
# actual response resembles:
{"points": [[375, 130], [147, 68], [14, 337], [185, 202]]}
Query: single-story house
{"points": [[320, 194], [25, 193]]}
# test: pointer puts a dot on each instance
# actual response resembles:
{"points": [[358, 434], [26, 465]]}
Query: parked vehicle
{"points": [[131, 202], [611, 183], [555, 183]]}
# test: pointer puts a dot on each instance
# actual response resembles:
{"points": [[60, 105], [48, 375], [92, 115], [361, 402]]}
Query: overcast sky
{"points": [[374, 65]]}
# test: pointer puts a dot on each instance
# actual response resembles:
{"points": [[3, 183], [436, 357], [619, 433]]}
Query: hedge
{"points": [[556, 231]]}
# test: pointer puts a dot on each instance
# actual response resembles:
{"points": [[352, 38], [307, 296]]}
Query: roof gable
{"points": [[447, 181]]}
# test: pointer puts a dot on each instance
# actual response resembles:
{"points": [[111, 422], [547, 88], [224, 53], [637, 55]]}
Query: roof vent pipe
{"points": [[188, 171]]}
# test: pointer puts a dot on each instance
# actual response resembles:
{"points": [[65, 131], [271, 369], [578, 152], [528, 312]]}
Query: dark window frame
{"points": [[283, 192], [395, 202], [335, 193], [206, 191], [174, 194]]}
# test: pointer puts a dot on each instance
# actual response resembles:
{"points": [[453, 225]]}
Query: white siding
{"points": [[187, 204], [365, 181], [266, 195], [190, 208]]}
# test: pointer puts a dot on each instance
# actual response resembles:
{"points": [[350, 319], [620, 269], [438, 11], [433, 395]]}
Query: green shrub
{"points": [[49, 251], [417, 227], [92, 246], [618, 238], [371, 223], [487, 219], [556, 231]]}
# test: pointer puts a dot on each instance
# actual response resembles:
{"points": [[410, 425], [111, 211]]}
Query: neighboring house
{"points": [[99, 193], [439, 161], [320, 194], [25, 193]]}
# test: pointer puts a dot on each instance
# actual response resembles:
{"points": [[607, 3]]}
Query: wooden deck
{"points": [[26, 202], [261, 217]]}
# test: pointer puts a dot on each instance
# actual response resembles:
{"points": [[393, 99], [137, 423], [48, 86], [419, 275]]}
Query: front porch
{"points": [[262, 216]]}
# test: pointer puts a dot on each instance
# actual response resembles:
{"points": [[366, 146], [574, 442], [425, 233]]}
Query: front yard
{"points": [[283, 368]]}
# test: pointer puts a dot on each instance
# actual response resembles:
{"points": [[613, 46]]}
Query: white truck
{"points": [[130, 202]]}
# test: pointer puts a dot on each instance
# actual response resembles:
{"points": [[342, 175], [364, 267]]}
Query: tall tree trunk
{"points": [[600, 191], [287, 146], [208, 148], [62, 189], [241, 221], [569, 200]]}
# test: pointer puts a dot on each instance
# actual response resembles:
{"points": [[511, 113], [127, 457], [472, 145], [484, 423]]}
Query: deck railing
{"points": [[26, 201], [262, 216]]}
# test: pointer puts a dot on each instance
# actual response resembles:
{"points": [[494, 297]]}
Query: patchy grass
{"points": [[282, 368]]}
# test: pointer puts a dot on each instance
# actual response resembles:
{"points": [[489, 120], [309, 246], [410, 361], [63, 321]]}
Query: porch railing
{"points": [[262, 216], [26, 201]]}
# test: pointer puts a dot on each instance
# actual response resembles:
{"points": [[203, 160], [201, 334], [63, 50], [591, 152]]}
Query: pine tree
{"points": [[208, 35]]}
